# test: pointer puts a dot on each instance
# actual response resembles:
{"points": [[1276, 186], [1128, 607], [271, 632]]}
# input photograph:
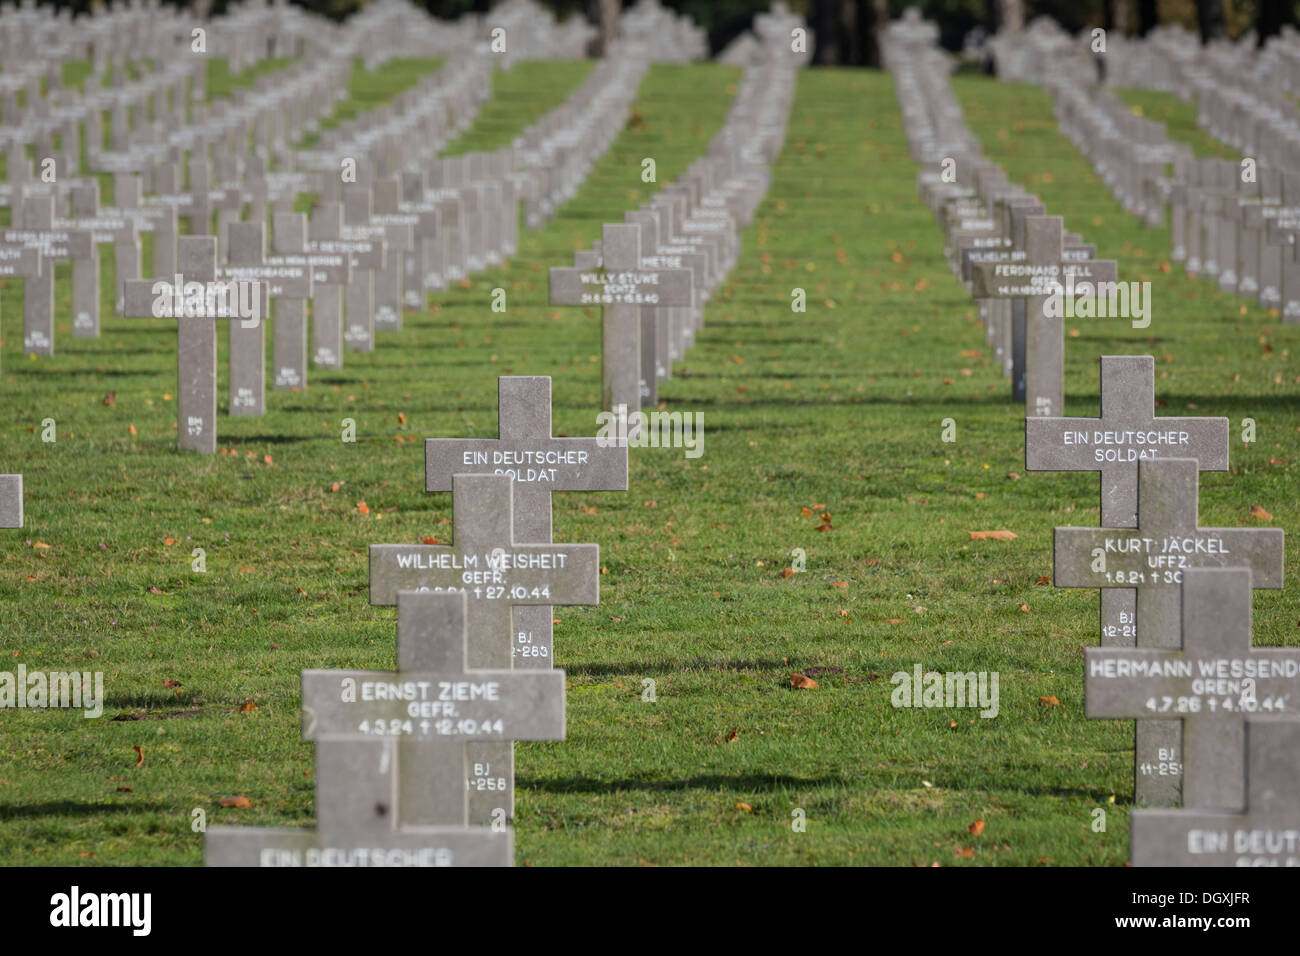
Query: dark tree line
{"points": [[846, 30]]}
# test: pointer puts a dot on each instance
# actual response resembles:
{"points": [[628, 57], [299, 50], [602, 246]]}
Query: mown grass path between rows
{"points": [[836, 411]]}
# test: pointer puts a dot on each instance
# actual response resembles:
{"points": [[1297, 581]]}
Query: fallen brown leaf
{"points": [[1257, 511], [976, 828], [803, 683], [995, 535], [241, 803]]}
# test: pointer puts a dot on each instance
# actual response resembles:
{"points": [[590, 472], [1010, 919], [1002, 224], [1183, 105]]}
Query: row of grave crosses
{"points": [[652, 274], [1012, 257], [370, 250], [1215, 715], [1239, 230], [1216, 728], [416, 767]]}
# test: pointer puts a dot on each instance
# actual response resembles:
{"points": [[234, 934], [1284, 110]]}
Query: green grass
{"points": [[531, 89], [220, 82], [1179, 119], [840, 407], [370, 89]]}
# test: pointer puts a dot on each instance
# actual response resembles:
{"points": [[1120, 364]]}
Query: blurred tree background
{"points": [[846, 28]]}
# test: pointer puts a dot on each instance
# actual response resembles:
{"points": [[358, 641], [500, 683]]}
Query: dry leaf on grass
{"points": [[976, 828], [995, 535], [241, 802], [1257, 511], [802, 682]]}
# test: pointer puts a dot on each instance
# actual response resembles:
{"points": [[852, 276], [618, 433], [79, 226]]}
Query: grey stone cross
{"points": [[497, 574], [1211, 685], [289, 337], [1152, 558], [25, 262], [391, 783], [247, 262], [1042, 383], [621, 287], [195, 299], [539, 464], [1126, 433]]}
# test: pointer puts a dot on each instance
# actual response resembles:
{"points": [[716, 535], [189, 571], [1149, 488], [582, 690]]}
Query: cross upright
{"points": [[496, 574], [11, 501], [621, 287], [1152, 558], [25, 262], [391, 752], [289, 336], [1213, 684], [1038, 356], [539, 464], [1127, 432], [196, 299], [657, 322], [1265, 833], [282, 281], [29, 250]]}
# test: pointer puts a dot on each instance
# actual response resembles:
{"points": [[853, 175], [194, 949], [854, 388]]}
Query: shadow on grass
{"points": [[709, 782], [72, 808]]}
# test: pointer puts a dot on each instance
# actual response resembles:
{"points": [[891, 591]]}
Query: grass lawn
{"points": [[837, 410]]}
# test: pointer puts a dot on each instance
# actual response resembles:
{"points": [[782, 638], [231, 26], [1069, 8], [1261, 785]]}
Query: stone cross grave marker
{"points": [[391, 751], [497, 574], [24, 262], [1151, 558], [1212, 685], [460, 705], [1266, 833], [658, 323], [366, 258], [281, 281], [1127, 432], [621, 287], [289, 334], [539, 464], [41, 244], [327, 297], [1039, 376], [196, 298]]}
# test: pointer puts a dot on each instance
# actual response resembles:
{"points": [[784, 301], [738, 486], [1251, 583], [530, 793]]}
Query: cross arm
{"points": [[560, 464]]}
